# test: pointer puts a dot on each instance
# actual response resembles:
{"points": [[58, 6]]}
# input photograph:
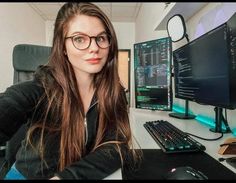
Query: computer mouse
{"points": [[185, 173]]}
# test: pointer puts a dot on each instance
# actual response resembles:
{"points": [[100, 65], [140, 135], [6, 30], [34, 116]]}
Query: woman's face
{"points": [[92, 59]]}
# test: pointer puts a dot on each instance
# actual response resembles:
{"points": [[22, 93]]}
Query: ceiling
{"points": [[117, 12]]}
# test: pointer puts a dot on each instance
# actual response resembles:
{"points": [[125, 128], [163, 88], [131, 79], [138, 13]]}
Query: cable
{"points": [[222, 134]]}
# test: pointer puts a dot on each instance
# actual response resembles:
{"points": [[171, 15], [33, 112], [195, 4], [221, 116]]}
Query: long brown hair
{"points": [[64, 113]]}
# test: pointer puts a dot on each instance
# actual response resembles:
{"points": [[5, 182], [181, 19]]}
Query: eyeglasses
{"points": [[82, 41]]}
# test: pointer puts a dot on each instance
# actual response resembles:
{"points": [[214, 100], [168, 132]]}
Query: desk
{"points": [[138, 117]]}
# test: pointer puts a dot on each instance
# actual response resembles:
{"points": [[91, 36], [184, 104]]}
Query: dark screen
{"points": [[152, 60], [202, 69]]}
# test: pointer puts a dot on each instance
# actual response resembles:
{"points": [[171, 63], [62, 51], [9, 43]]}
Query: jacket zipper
{"points": [[85, 123], [86, 130]]}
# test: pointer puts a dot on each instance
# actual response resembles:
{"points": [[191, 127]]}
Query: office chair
{"points": [[26, 58]]}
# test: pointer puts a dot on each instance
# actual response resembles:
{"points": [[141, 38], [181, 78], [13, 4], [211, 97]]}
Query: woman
{"points": [[75, 106]]}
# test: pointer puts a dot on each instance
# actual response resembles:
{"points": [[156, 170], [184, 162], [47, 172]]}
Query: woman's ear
{"points": [[65, 52]]}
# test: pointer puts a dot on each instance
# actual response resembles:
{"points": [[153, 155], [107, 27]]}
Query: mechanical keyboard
{"points": [[171, 139]]}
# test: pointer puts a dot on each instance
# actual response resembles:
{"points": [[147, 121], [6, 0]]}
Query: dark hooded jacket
{"points": [[17, 106]]}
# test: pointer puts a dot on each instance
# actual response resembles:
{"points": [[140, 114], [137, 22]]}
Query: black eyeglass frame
{"points": [[90, 40]]}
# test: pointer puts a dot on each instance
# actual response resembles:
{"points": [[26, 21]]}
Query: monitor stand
{"points": [[185, 115], [219, 118]]}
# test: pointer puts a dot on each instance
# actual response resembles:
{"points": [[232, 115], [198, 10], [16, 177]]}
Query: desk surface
{"points": [[138, 117]]}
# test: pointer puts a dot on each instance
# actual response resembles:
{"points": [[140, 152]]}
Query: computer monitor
{"points": [[205, 69], [152, 66]]}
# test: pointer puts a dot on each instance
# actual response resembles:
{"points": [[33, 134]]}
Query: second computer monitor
{"points": [[205, 69], [152, 65]]}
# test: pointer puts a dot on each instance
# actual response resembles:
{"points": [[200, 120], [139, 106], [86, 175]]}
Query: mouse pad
{"points": [[156, 164]]}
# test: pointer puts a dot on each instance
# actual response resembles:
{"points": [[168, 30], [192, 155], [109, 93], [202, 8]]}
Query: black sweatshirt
{"points": [[16, 107]]}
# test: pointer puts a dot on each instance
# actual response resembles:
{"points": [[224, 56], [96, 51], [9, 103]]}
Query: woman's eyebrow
{"points": [[79, 32]]}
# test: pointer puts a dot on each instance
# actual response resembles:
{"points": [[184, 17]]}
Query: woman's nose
{"points": [[93, 46]]}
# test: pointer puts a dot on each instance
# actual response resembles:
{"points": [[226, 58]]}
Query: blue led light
{"points": [[234, 131], [178, 109], [207, 121]]}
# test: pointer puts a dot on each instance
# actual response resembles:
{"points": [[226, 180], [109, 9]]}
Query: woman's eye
{"points": [[101, 38], [79, 39]]}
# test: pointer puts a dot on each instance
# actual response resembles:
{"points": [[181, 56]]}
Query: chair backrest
{"points": [[26, 59]]}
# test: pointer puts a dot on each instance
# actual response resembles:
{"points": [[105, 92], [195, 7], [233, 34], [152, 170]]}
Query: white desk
{"points": [[138, 117], [115, 176]]}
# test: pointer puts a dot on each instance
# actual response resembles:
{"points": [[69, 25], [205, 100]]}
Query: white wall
{"points": [[125, 32], [49, 32], [126, 37], [146, 21], [144, 30], [19, 24], [209, 17]]}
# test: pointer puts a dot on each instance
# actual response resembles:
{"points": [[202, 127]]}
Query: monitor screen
{"points": [[203, 69], [152, 66]]}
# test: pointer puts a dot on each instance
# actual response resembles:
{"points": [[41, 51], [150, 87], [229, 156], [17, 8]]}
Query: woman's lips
{"points": [[93, 60]]}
